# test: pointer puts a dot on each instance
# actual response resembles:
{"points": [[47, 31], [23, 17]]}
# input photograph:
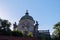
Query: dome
{"points": [[27, 16]]}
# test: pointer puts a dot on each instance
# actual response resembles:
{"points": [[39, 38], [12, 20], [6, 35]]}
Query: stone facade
{"points": [[27, 24]]}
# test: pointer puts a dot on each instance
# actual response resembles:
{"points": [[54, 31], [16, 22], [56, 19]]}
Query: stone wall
{"points": [[16, 38]]}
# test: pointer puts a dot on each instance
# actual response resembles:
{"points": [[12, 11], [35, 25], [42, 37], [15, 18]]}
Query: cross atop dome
{"points": [[27, 16], [27, 12]]}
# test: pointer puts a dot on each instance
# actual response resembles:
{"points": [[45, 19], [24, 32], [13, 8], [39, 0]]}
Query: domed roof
{"points": [[27, 16]]}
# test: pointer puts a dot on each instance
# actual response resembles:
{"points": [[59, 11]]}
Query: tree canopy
{"points": [[56, 32]]}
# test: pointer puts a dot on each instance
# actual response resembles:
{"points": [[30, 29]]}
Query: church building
{"points": [[28, 24]]}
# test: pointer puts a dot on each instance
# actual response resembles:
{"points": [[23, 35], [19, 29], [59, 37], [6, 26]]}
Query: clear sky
{"points": [[46, 12]]}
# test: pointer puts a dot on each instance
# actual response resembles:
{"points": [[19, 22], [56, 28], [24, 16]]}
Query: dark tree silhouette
{"points": [[56, 33], [5, 25], [0, 24]]}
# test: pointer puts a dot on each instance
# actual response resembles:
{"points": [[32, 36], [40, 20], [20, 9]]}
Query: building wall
{"points": [[26, 25], [17, 38]]}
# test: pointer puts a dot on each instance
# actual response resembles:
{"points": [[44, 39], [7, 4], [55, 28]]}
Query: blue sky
{"points": [[46, 12]]}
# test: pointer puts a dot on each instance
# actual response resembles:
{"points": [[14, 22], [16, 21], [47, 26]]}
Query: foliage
{"points": [[30, 34], [57, 26], [56, 32], [17, 33], [5, 25]]}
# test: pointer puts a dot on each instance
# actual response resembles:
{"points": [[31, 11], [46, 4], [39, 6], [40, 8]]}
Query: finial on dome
{"points": [[27, 12]]}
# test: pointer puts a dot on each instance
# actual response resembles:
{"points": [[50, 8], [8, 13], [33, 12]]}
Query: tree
{"points": [[56, 33], [5, 25], [0, 24]]}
